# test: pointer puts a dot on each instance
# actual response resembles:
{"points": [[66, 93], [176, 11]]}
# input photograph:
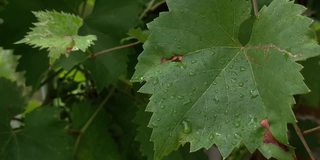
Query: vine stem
{"points": [[90, 120], [103, 52], [155, 6], [144, 13], [311, 130], [100, 53], [306, 146], [255, 7]]}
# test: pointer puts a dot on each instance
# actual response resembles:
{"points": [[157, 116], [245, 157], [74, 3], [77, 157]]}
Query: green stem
{"points": [[90, 120], [51, 77], [83, 8]]}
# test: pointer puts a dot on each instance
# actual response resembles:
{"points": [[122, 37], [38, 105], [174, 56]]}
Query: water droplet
{"points": [[211, 137], [254, 93], [237, 124], [242, 69], [186, 127], [142, 78], [153, 125], [155, 82], [182, 67], [214, 83], [216, 99], [237, 135], [186, 102], [241, 84], [192, 74], [193, 61]]}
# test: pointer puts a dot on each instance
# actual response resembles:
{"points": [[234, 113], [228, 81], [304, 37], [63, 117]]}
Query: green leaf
{"points": [[8, 63], [146, 146], [311, 72], [96, 142], [43, 137], [33, 62], [110, 29], [143, 133], [137, 33], [57, 32], [221, 89], [11, 104], [289, 24]]}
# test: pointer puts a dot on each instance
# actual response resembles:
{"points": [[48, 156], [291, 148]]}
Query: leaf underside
{"points": [[222, 89]]}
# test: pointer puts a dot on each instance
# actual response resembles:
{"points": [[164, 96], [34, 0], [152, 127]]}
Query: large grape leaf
{"points": [[146, 146], [221, 89], [57, 32]]}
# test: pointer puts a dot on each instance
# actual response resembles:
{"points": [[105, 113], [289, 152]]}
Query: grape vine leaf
{"points": [[11, 104], [110, 29], [43, 137], [57, 32], [17, 9], [146, 146], [138, 34], [8, 62], [311, 72], [220, 90], [96, 142]]}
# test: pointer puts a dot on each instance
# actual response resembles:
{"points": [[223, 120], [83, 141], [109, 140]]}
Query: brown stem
{"points": [[114, 49], [90, 120], [255, 7], [299, 133], [311, 130]]}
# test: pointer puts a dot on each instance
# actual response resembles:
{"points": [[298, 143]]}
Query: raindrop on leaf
{"points": [[254, 93], [186, 127]]}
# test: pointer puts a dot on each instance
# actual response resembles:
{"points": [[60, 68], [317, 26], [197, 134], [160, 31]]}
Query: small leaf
{"points": [[57, 32], [137, 33], [8, 63]]}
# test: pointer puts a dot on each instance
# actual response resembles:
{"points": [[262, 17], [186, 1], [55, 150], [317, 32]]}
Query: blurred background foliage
{"points": [[55, 104]]}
